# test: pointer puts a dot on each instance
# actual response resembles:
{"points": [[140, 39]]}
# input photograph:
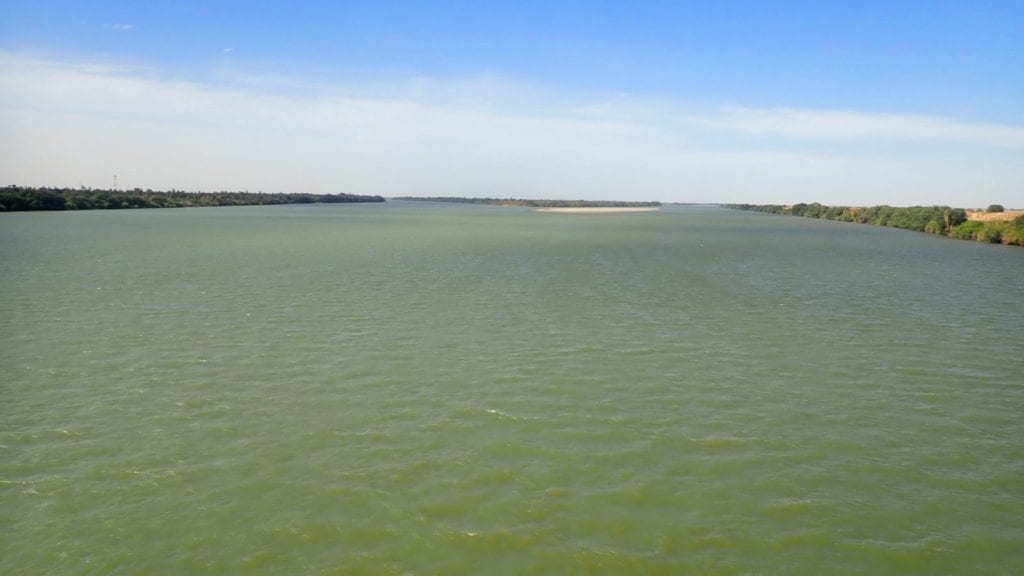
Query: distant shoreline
{"points": [[532, 203], [598, 210], [29, 199]]}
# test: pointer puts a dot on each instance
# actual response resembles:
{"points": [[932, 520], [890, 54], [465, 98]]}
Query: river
{"points": [[415, 388]]}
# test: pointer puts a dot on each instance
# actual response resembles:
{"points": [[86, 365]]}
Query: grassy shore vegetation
{"points": [[25, 198], [942, 220], [517, 202]]}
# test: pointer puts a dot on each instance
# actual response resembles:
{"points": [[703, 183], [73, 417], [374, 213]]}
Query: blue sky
{"points": [[847, 103]]}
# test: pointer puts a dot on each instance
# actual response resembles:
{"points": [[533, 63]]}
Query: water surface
{"points": [[441, 389]]}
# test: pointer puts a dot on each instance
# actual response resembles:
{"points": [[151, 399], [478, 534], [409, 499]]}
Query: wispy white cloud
{"points": [[847, 125], [71, 124], [122, 27]]}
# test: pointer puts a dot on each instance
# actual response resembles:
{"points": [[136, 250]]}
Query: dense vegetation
{"points": [[941, 220], [25, 198], [533, 203]]}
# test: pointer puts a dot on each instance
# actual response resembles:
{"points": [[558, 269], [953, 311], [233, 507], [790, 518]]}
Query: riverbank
{"points": [[990, 227], [23, 198], [596, 210], [533, 203]]}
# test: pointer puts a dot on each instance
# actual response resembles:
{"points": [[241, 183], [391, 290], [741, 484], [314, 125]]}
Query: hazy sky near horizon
{"points": [[838, 102]]}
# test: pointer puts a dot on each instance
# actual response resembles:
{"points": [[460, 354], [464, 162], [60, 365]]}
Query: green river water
{"points": [[441, 389]]}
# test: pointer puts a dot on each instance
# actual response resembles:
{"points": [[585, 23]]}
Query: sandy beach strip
{"points": [[601, 210]]}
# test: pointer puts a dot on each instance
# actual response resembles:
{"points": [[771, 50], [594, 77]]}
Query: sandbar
{"points": [[600, 210]]}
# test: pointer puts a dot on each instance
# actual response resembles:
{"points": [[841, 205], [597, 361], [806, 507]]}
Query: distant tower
{"points": [[115, 182]]}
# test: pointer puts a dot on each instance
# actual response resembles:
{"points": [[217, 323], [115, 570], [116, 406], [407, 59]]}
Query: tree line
{"points": [[21, 198], [941, 220], [523, 203]]}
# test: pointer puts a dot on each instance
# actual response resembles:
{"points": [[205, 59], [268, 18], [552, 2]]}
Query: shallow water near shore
{"points": [[443, 389]]}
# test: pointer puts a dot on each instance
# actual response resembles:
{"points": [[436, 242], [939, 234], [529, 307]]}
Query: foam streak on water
{"points": [[418, 389]]}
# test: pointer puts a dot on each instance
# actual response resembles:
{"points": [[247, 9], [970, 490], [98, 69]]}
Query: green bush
{"points": [[1013, 234], [983, 231], [992, 232], [967, 230]]}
